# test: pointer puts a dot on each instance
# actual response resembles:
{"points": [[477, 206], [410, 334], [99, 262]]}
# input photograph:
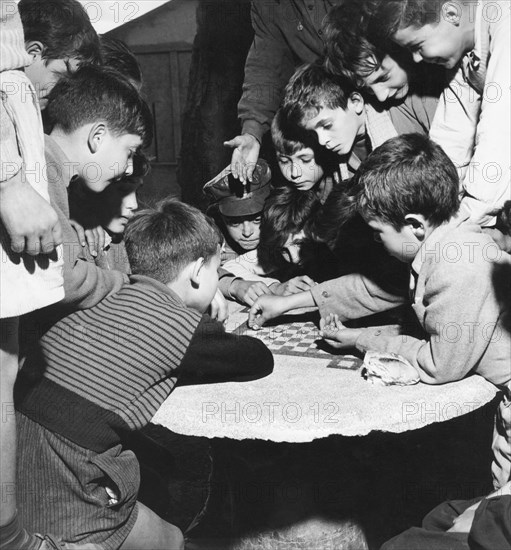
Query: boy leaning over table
{"points": [[409, 197]]}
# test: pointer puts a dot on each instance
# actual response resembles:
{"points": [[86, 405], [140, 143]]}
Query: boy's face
{"points": [[338, 129], [118, 205], [208, 284], [401, 244], [245, 231], [112, 159], [389, 81], [441, 44], [45, 73], [300, 168], [291, 248]]}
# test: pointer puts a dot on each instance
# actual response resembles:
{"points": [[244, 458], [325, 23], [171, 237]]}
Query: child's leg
{"points": [[501, 467], [8, 373], [150, 532], [11, 533]]}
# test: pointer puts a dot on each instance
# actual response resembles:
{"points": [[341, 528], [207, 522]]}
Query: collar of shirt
{"points": [[153, 284], [432, 245]]}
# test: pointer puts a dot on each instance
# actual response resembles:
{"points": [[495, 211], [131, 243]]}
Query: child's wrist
{"points": [[231, 292]]}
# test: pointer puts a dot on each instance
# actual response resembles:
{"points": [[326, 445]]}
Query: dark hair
{"points": [[408, 174], [311, 88], [99, 93], [349, 53], [63, 27], [161, 242], [286, 212], [392, 15], [339, 208], [116, 55]]}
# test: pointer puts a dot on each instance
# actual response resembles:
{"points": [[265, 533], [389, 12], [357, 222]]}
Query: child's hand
{"points": [[219, 309], [95, 238], [30, 221], [244, 156], [294, 285], [265, 308], [336, 334], [248, 291]]}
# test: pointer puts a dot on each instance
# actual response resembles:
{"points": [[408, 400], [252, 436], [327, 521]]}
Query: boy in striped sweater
{"points": [[104, 371]]}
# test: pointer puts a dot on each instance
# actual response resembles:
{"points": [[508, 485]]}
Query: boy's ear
{"points": [[417, 224], [97, 134], [34, 48], [356, 103], [196, 272], [451, 12]]}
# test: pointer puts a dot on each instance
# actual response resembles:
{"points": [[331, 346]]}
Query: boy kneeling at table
{"points": [[408, 195], [105, 371]]}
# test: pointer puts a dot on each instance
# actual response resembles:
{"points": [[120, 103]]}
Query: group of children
{"points": [[105, 307]]}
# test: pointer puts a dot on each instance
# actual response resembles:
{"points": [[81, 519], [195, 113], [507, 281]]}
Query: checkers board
{"points": [[298, 334]]}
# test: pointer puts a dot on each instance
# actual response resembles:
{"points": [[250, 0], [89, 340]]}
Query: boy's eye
{"points": [[257, 220], [327, 126], [283, 160]]}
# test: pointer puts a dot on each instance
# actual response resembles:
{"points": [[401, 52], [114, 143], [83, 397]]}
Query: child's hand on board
{"points": [[265, 308], [336, 334]]}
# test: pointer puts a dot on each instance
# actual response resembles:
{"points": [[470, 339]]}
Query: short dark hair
{"points": [[286, 212], [116, 55], [311, 88], [63, 27], [408, 174], [392, 15], [349, 52], [96, 93], [287, 138], [161, 242]]}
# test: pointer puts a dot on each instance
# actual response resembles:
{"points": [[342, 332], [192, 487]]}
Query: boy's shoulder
{"points": [[458, 249]]}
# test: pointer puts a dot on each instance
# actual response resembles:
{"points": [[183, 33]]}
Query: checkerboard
{"points": [[299, 335]]}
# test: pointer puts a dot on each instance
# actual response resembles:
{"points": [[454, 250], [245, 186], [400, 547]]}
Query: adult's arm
{"points": [[268, 68]]}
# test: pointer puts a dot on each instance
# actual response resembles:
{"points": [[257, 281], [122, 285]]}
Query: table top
{"points": [[312, 394]]}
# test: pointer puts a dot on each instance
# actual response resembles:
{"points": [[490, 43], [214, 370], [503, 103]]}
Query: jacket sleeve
{"points": [[354, 296], [456, 327], [268, 68], [217, 356], [85, 284]]}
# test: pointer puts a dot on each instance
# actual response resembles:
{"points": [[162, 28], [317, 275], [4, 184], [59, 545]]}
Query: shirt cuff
{"points": [[376, 338]]}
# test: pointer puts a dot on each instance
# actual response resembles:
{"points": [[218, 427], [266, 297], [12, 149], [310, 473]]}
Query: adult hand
{"points": [[244, 157], [294, 285], [248, 291], [219, 308], [30, 221], [265, 308], [336, 334], [94, 238]]}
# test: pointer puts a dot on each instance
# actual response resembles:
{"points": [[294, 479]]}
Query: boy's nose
{"points": [[248, 228], [129, 167], [382, 94], [295, 171], [417, 57]]}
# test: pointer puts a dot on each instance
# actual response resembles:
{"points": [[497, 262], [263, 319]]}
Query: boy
{"points": [[384, 71], [303, 165], [99, 122], [109, 369], [59, 37], [409, 197], [331, 107], [473, 123]]}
